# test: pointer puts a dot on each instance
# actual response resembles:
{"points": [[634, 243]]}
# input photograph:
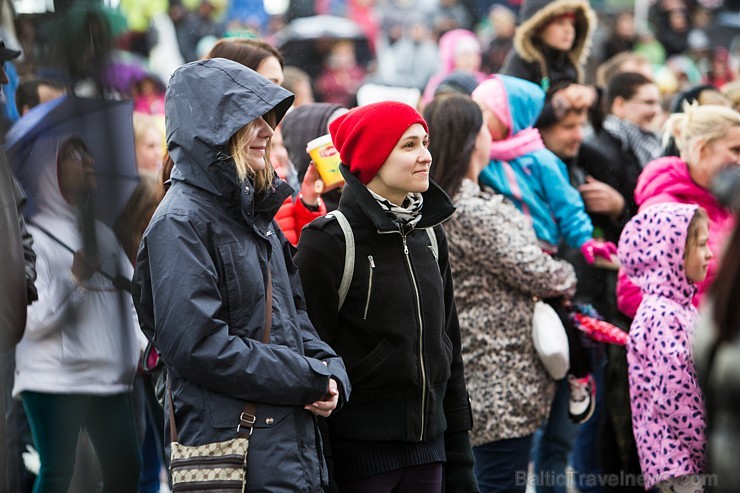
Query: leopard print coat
{"points": [[498, 269]]}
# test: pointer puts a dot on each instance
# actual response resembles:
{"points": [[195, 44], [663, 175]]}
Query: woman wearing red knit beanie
{"points": [[406, 425]]}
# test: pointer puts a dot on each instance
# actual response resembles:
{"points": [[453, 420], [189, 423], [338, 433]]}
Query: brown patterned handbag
{"points": [[222, 466]]}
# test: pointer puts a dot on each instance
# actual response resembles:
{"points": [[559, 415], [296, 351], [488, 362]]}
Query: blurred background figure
{"points": [[673, 23], [502, 22], [732, 91], [148, 93], [450, 15], [341, 76], [459, 50], [623, 36], [75, 365], [129, 228], [413, 58], [18, 273], [717, 349], [31, 93], [298, 128], [149, 141], [298, 82]]}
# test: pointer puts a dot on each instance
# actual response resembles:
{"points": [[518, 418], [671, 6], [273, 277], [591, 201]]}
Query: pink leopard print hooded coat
{"points": [[667, 404]]}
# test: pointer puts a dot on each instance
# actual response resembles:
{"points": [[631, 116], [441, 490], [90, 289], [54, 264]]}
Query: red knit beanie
{"points": [[365, 136]]}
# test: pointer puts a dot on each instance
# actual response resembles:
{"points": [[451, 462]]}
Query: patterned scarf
{"points": [[406, 216], [643, 144]]}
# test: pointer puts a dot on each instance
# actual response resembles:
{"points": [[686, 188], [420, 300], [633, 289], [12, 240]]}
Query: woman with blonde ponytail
{"points": [[708, 140]]}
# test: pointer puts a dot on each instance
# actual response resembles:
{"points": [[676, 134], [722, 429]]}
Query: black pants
{"points": [[580, 363]]}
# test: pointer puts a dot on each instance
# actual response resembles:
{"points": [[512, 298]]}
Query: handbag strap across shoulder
{"points": [[249, 413]]}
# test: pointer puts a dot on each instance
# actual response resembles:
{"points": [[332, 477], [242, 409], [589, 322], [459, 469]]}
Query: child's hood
{"points": [[652, 247], [448, 46], [517, 102], [45, 186], [535, 14]]}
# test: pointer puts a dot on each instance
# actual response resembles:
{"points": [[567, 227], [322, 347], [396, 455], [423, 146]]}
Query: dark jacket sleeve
{"points": [[29, 256], [12, 282], [312, 343], [177, 299], [320, 261]]}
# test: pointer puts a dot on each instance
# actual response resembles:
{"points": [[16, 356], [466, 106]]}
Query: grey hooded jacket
{"points": [[200, 284]]}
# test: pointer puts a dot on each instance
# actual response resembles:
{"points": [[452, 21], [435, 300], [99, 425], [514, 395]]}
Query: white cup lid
{"points": [[318, 142]]}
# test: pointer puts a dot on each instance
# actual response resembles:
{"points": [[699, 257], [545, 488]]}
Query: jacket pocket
{"points": [[365, 368], [236, 297]]}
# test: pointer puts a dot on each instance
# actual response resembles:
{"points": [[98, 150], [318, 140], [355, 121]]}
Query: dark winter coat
{"points": [[719, 377], [13, 283], [531, 60], [397, 330], [200, 283], [602, 157]]}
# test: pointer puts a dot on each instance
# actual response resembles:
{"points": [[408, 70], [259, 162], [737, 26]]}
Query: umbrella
{"points": [[106, 127], [319, 27], [296, 41]]}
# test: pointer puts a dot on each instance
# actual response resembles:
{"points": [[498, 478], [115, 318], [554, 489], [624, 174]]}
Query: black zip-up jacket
{"points": [[397, 331]]}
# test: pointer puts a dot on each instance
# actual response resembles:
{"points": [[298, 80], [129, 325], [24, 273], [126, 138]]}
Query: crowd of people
{"points": [[522, 156]]}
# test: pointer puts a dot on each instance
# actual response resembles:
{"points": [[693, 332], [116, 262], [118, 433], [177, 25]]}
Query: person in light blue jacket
{"points": [[536, 181], [526, 172]]}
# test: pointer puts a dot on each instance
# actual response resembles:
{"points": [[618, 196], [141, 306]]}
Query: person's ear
{"points": [[697, 152], [618, 106]]}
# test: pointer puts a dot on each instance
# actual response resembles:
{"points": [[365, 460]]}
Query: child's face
{"points": [[496, 127], [698, 255], [560, 33]]}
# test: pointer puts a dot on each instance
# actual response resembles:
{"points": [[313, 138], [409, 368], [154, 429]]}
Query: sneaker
{"points": [[582, 398]]}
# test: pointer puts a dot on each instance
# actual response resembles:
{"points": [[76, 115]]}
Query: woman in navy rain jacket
{"points": [[202, 276]]}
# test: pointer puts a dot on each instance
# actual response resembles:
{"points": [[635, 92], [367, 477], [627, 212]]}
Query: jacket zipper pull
{"points": [[405, 246]]}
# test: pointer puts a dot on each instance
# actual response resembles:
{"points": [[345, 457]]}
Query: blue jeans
{"points": [[501, 466], [586, 455], [56, 421], [552, 444]]}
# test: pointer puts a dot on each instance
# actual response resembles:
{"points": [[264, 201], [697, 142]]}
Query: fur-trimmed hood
{"points": [[535, 14]]}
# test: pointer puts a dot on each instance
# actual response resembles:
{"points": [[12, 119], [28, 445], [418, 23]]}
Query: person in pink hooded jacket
{"points": [[459, 50], [664, 250], [708, 138]]}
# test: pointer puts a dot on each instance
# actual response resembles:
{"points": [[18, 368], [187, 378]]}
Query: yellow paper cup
{"points": [[326, 158]]}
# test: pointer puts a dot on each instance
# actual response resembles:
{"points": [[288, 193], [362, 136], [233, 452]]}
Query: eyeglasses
{"points": [[646, 102], [79, 157]]}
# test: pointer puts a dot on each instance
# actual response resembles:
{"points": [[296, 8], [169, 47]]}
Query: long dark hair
{"points": [[454, 121]]}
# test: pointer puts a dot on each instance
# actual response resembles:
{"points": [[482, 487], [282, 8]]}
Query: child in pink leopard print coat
{"points": [[664, 251]]}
